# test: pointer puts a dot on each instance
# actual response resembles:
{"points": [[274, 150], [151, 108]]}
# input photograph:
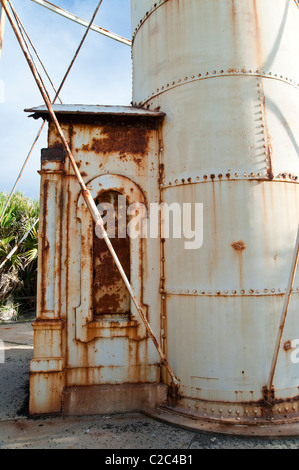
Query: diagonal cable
{"points": [[55, 98]]}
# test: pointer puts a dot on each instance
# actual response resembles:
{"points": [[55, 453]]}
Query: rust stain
{"points": [[257, 35], [110, 295], [124, 140], [238, 246]]}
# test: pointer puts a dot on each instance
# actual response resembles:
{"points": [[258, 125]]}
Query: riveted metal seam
{"points": [[176, 183], [146, 16], [155, 8], [256, 293], [214, 74]]}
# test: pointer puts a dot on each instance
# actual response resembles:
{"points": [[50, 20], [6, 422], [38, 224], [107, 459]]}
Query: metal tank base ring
{"points": [[260, 427]]}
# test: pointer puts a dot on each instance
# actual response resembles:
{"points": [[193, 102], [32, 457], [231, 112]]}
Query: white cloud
{"points": [[101, 75]]}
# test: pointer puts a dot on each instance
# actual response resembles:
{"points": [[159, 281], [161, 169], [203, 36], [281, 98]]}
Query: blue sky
{"points": [[101, 75]]}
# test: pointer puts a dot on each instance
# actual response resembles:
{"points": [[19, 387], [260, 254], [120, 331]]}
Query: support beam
{"points": [[82, 22]]}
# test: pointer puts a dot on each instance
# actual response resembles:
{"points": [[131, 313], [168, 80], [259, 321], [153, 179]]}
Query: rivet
{"points": [[272, 290], [195, 291], [265, 290]]}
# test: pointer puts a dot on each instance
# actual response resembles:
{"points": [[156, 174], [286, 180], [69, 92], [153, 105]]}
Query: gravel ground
{"points": [[112, 432]]}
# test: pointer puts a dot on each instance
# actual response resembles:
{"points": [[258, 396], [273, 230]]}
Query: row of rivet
{"points": [[147, 14], [197, 179], [151, 10], [246, 413], [218, 293], [213, 74]]}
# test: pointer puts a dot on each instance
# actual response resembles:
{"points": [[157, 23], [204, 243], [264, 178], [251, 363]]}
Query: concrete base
{"points": [[102, 399]]}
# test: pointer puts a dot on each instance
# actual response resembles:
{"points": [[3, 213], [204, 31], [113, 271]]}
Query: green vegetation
{"points": [[18, 275]]}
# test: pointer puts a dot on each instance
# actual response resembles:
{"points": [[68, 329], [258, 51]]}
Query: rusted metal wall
{"points": [[85, 339], [226, 74]]}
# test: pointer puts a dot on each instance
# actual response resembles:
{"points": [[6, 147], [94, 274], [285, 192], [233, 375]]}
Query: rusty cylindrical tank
{"points": [[226, 73]]}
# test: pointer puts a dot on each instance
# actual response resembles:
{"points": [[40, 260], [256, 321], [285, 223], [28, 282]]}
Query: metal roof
{"points": [[79, 109]]}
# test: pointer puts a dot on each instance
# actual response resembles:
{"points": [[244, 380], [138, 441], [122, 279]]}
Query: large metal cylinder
{"points": [[226, 73]]}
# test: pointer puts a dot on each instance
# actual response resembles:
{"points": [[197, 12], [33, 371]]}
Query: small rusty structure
{"points": [[88, 334], [214, 120]]}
